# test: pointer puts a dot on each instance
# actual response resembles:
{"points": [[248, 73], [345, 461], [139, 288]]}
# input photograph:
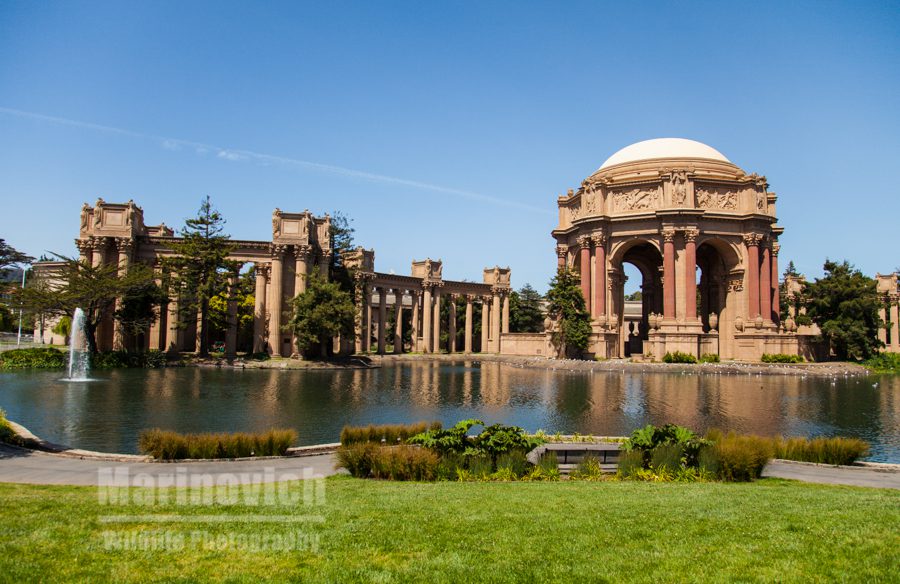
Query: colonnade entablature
{"points": [[703, 235]]}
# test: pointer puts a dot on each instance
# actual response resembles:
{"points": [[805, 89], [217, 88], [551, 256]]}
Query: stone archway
{"points": [[718, 267], [644, 255]]}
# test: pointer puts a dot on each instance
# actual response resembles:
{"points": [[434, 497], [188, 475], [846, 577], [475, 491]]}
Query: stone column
{"points": [[436, 325], [690, 274], [414, 325], [324, 264], [495, 322], [124, 259], [99, 246], [451, 327], [426, 320], [751, 240], [231, 333], [765, 285], [362, 302], [505, 325], [561, 253], [85, 249], [173, 328], [668, 274], [398, 321], [895, 340], [585, 254], [599, 304], [468, 341], [882, 314], [369, 320], [776, 287], [275, 299], [382, 318], [259, 307], [301, 268], [157, 330], [485, 323]]}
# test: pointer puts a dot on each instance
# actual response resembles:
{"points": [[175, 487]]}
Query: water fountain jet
{"points": [[79, 356]]}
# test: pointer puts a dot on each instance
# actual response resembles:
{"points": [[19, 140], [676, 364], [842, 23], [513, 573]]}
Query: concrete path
{"points": [[18, 465], [833, 475]]}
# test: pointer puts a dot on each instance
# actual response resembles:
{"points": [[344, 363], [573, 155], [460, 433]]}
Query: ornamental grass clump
{"points": [[742, 458], [168, 445], [386, 433], [396, 463], [836, 451]]}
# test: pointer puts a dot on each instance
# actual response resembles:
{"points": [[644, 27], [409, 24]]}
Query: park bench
{"points": [[570, 454]]}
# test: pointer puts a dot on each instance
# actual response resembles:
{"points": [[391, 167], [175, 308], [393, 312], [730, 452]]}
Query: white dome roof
{"points": [[664, 148]]}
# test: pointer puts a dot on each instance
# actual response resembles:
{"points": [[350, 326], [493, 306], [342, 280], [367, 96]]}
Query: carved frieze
{"points": [[710, 197], [637, 199]]}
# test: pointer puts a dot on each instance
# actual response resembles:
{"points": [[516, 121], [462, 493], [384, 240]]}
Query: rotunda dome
{"points": [[661, 148]]}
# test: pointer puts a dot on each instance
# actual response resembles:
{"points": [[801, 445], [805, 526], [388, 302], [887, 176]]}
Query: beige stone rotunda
{"points": [[703, 234]]}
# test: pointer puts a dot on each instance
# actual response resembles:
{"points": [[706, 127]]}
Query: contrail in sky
{"points": [[270, 159]]}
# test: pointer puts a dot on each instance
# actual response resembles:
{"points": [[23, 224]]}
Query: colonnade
{"points": [[425, 301]]}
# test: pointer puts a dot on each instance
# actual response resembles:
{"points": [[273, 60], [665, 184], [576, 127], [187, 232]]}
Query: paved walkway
{"points": [[27, 466], [832, 475]]}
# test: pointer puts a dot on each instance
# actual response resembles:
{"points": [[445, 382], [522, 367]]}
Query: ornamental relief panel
{"points": [[637, 199], [709, 197]]}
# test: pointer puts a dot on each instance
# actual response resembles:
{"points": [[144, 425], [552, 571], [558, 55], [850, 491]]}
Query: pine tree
{"points": [[321, 313], [200, 268], [844, 304], [572, 327], [525, 312]]}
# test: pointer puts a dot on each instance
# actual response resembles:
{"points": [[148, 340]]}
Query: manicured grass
{"points": [[768, 531]]}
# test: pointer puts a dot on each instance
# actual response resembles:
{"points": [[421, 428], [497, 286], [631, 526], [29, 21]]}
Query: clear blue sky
{"points": [[448, 129]]}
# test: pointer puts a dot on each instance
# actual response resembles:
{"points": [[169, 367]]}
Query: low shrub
{"points": [[514, 461], [588, 469], [709, 358], [679, 357], [356, 458], [7, 434], [780, 358], [837, 451], [630, 463], [387, 433], [127, 359], [168, 445], [547, 469], [741, 458], [396, 463], [38, 358], [666, 456], [884, 363]]}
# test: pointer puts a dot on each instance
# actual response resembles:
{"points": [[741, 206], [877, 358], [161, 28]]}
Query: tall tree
{"points": [[200, 268], [10, 256], [341, 243], [525, 312], [140, 302], [844, 304], [93, 289], [319, 314], [566, 307], [787, 302]]}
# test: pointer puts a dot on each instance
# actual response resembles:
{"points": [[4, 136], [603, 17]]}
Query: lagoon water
{"points": [[108, 413]]}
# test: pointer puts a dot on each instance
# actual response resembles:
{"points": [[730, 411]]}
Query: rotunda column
{"points": [[882, 314], [275, 299], [668, 274], [451, 327], [382, 318], [690, 274], [895, 333], [495, 320], [751, 240], [485, 322], [436, 325], [776, 285], [505, 325], [585, 244], [599, 304], [426, 319], [765, 285], [414, 325], [124, 247], [561, 252], [398, 321]]}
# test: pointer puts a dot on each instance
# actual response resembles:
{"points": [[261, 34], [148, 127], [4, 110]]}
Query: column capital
{"points": [[124, 245], [487, 299], [98, 243], [584, 241], [599, 239], [562, 250], [752, 239], [277, 250], [84, 245], [668, 234], [261, 269], [776, 247], [691, 233], [302, 251]]}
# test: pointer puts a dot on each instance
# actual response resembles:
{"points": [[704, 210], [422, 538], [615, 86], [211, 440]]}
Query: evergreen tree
{"points": [[200, 268], [93, 289], [341, 243], [572, 323], [844, 304], [321, 313], [140, 302], [10, 256], [525, 312]]}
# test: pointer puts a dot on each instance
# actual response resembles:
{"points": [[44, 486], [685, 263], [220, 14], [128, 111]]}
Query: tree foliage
{"points": [[140, 302], [94, 289], [566, 307], [525, 313], [341, 243], [200, 268], [10, 256], [844, 304], [321, 313]]}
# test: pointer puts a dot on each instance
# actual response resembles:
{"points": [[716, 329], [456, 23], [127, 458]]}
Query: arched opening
{"points": [[636, 269], [716, 303]]}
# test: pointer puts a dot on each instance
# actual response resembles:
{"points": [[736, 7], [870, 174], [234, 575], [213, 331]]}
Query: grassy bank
{"points": [[502, 532]]}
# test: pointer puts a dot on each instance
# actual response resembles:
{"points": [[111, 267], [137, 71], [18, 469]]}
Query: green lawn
{"points": [[771, 530]]}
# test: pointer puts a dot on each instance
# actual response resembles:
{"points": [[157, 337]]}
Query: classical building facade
{"points": [[889, 291], [115, 233], [703, 234]]}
